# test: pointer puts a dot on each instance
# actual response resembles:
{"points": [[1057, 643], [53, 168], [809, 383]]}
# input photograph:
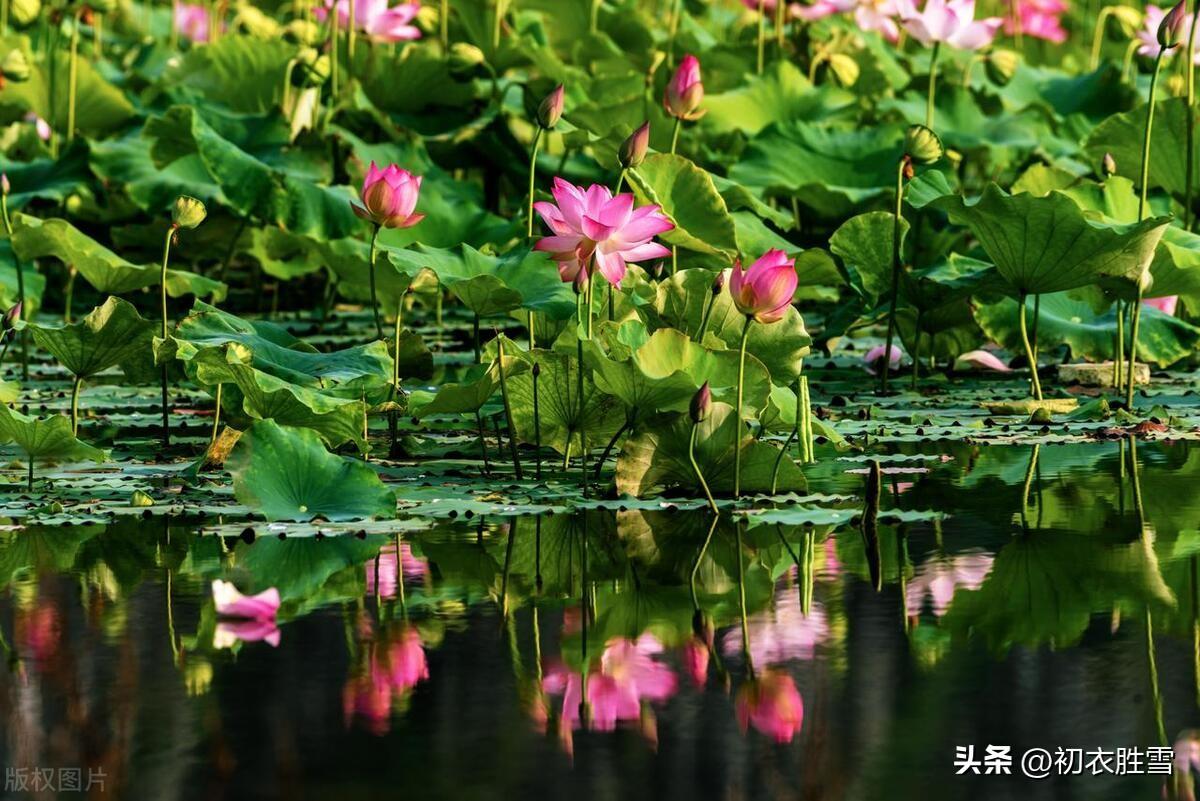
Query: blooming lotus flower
{"points": [[1148, 35], [880, 16], [191, 20], [685, 91], [389, 197], [781, 634], [939, 578], [628, 674], [229, 632], [376, 20], [231, 603], [1165, 305], [772, 705], [1041, 19], [389, 569], [765, 291], [948, 21], [820, 9], [875, 356], [592, 226]]}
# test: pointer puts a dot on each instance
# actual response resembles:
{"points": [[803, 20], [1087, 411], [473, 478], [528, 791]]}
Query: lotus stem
{"points": [[675, 135], [696, 468], [1189, 155], [371, 271], [498, 23], [1127, 61], [333, 58], [8, 231], [620, 182], [595, 20], [75, 386], [475, 337], [1136, 313], [737, 440], [712, 300], [1119, 354], [1098, 35], [612, 443], [806, 429], [779, 28], [30, 480], [351, 24], [487, 467], [73, 74], [582, 439], [212, 440], [508, 416], [1033, 370], [779, 459], [933, 60], [69, 296], [1037, 316], [444, 25], [533, 154], [870, 523], [676, 13], [529, 324], [696, 563], [98, 35], [891, 323], [916, 354], [762, 34], [1013, 16], [166, 421], [537, 427]]}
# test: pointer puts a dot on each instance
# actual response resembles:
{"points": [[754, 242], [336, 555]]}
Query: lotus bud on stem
{"points": [[549, 112], [187, 213], [699, 410]]}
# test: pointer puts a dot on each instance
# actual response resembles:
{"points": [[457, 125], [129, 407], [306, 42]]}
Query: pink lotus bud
{"points": [[685, 91], [1170, 30], [633, 149], [718, 283], [551, 109], [701, 404], [580, 281], [389, 197], [11, 317], [1109, 165], [5, 186], [765, 291]]}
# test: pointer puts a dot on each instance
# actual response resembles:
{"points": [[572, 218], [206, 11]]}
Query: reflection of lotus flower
{"points": [[695, 661], [229, 632], [40, 630], [389, 197], [385, 566], [591, 225], [781, 633], [377, 20], [191, 20], [231, 603], [940, 577], [628, 675], [764, 291], [948, 21], [1187, 752], [685, 91], [392, 672], [772, 705]]}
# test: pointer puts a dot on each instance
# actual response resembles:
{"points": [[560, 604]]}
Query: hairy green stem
{"points": [[508, 415], [762, 34], [533, 154], [75, 405], [933, 60], [675, 134], [73, 74], [696, 468], [737, 443], [371, 271], [1033, 371], [895, 291], [166, 421]]}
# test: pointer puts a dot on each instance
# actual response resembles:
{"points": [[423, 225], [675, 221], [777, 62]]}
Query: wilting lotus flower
{"points": [[875, 356], [878, 15], [1148, 35], [981, 359], [391, 569], [781, 634], [948, 21], [685, 91], [628, 675], [389, 197], [231, 603], [942, 576], [593, 226], [765, 291], [772, 705], [1165, 305], [1041, 19], [393, 671], [376, 20], [191, 20]]}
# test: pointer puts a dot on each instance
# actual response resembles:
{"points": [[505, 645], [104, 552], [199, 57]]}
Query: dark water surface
{"points": [[1028, 603]]}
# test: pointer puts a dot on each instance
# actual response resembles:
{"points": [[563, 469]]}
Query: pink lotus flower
{"points": [[685, 91], [942, 576], [782, 633], [880, 16], [948, 21], [229, 632], [772, 705], [627, 675], [593, 226], [391, 568], [1041, 19], [981, 359], [376, 20], [695, 661], [820, 9], [392, 672], [765, 291], [389, 197], [1148, 35], [875, 356], [191, 20], [42, 127], [1165, 305], [40, 630], [231, 603]]}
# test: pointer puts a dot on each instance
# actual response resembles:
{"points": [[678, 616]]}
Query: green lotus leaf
{"points": [[286, 474], [687, 195], [1122, 135], [46, 179], [781, 94], [300, 566], [110, 334], [244, 73], [100, 107], [104, 270], [559, 415], [655, 457], [126, 163], [864, 244], [45, 439]]}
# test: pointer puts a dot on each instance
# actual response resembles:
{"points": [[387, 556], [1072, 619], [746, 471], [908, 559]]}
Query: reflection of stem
{"points": [[738, 427], [1152, 665], [508, 552], [1029, 471], [487, 468], [171, 620], [1137, 484], [699, 475], [870, 523], [741, 574], [696, 564], [1195, 594]]}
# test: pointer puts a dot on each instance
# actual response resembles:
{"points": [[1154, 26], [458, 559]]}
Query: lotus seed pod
{"points": [[301, 31], [24, 12], [1108, 165], [188, 212], [1129, 18], [15, 67], [844, 68], [464, 57], [922, 145], [1001, 66]]}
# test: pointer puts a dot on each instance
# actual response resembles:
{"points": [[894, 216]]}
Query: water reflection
{"points": [[1041, 596]]}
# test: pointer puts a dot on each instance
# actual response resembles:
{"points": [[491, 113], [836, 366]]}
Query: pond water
{"points": [[449, 661], [1006, 596]]}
